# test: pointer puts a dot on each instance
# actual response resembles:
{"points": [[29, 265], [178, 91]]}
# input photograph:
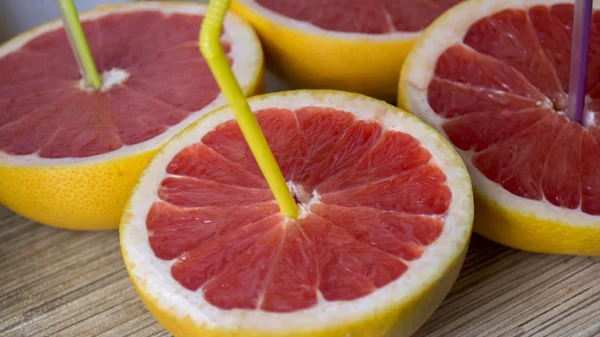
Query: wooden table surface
{"points": [[63, 283]]}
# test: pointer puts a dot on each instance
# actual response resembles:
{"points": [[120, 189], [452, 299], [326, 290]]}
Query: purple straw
{"points": [[579, 59]]}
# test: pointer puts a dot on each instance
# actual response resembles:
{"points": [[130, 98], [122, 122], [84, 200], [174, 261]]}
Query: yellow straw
{"points": [[210, 46], [79, 44]]}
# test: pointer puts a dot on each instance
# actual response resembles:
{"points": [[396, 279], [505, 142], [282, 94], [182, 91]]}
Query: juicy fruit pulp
{"points": [[154, 77], [362, 16], [503, 94], [371, 201]]}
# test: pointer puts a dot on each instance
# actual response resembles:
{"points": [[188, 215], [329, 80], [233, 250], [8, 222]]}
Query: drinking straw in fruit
{"points": [[79, 44], [210, 47], [579, 53]]}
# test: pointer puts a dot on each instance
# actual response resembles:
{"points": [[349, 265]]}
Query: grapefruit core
{"points": [[493, 76], [70, 157], [351, 45], [385, 217]]}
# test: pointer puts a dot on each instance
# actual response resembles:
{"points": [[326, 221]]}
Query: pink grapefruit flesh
{"points": [[359, 16], [46, 112], [510, 110], [381, 203]]}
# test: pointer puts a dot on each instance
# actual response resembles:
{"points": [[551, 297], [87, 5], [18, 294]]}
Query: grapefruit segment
{"points": [[561, 177], [508, 36], [452, 99], [40, 126], [35, 88], [89, 133], [138, 117], [242, 282], [410, 16], [517, 163], [366, 18], [281, 131], [293, 282], [594, 107], [479, 130], [14, 107], [208, 258], [199, 161], [564, 14], [316, 144], [400, 234], [595, 92], [593, 77], [300, 10], [228, 141], [358, 139], [194, 192], [185, 85], [280, 128], [17, 68], [219, 249], [183, 29], [51, 46], [456, 64], [445, 4], [186, 51], [349, 269], [554, 34], [175, 230], [394, 153], [420, 190], [130, 28], [420, 230], [530, 164], [86, 148], [590, 174]]}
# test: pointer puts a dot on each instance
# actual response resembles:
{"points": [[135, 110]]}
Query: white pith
{"points": [[153, 274], [110, 78], [310, 28], [447, 30], [303, 207], [113, 77], [245, 50]]}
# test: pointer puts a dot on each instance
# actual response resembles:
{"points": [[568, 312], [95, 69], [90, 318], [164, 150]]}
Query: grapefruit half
{"points": [[493, 76], [351, 45], [69, 157], [385, 218]]}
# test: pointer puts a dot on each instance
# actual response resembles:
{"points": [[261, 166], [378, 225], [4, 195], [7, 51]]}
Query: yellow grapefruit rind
{"points": [[532, 233], [402, 319], [329, 60], [88, 196], [529, 230]]}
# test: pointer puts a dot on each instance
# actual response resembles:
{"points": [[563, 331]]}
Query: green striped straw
{"points": [[78, 43]]}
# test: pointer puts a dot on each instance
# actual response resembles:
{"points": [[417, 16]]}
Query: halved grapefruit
{"points": [[351, 45], [493, 76], [385, 218], [68, 157]]}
